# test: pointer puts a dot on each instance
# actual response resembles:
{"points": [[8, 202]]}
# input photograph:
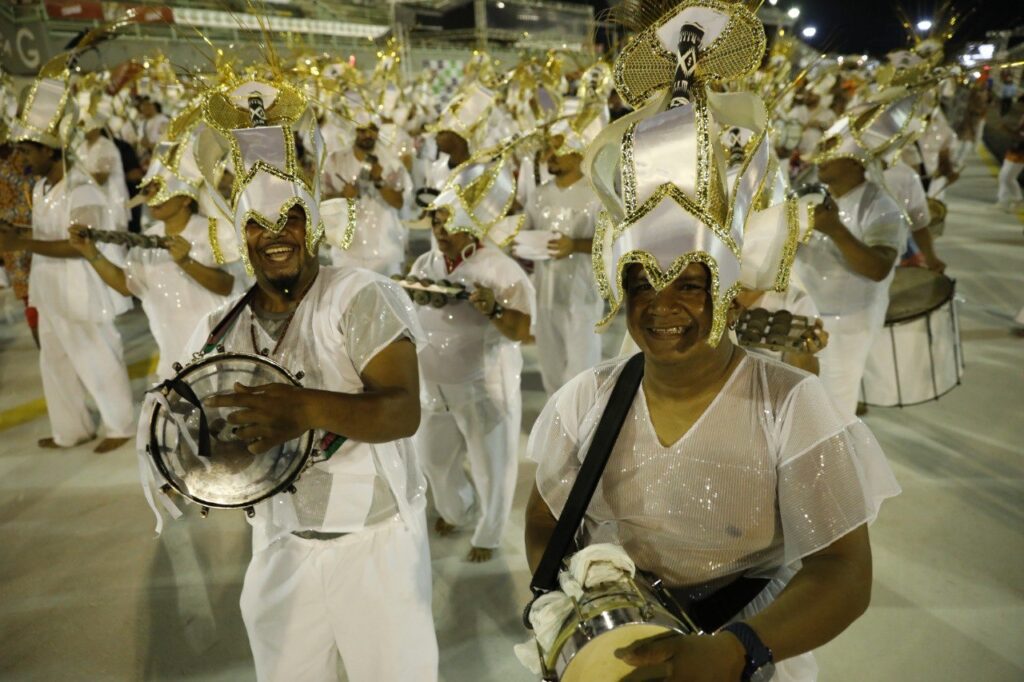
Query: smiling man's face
{"points": [[668, 324], [280, 259]]}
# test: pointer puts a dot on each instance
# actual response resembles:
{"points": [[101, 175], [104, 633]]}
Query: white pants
{"points": [[364, 597], [566, 343], [1009, 189], [476, 431], [79, 359], [850, 338]]}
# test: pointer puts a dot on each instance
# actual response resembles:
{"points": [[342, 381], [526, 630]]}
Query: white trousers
{"points": [[850, 338], [77, 360], [472, 430], [363, 597], [1009, 189], [566, 343]]}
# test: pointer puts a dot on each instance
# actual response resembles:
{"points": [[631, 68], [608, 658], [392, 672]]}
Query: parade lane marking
{"points": [[34, 409]]}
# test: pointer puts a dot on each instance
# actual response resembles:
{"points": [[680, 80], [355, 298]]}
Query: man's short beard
{"points": [[285, 283]]}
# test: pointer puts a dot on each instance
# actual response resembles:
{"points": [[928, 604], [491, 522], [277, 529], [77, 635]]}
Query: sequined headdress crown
{"points": [[679, 203], [48, 114], [258, 122]]}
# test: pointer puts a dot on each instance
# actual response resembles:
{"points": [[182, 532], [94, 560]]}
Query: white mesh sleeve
{"points": [[832, 477], [379, 314]]}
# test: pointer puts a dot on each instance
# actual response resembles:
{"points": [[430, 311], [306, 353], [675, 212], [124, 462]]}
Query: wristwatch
{"points": [[760, 666]]}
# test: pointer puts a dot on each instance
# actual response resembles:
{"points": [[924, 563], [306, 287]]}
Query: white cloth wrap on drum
{"points": [[773, 473], [600, 563]]}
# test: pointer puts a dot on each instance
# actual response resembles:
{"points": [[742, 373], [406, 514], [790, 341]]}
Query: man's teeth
{"points": [[666, 331]]}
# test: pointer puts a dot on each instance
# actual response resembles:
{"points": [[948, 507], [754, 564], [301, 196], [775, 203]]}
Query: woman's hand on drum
{"points": [[268, 415], [685, 658]]}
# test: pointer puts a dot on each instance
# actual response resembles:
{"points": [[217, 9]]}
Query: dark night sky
{"points": [[854, 26]]}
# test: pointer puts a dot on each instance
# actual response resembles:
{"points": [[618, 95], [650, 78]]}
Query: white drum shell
{"points": [[915, 360]]}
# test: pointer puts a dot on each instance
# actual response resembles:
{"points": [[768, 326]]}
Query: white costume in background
{"points": [[355, 581], [472, 404], [787, 474], [173, 302], [103, 158], [379, 240], [851, 305], [904, 184], [80, 350], [568, 303], [1009, 195], [153, 128]]}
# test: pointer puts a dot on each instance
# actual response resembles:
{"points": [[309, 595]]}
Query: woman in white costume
{"points": [[470, 367], [178, 285], [730, 467]]}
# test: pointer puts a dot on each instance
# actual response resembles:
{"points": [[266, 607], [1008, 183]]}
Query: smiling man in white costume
{"points": [[733, 475], [341, 568]]}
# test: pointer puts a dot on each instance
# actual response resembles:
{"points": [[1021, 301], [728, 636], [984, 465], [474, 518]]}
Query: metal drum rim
{"points": [[193, 366]]}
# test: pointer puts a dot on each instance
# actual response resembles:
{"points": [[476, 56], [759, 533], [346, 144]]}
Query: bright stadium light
{"points": [[773, 2], [809, 32], [924, 24], [793, 13]]}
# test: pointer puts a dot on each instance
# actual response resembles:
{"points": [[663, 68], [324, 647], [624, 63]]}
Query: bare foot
{"points": [[478, 555], [108, 444], [443, 528], [51, 444]]}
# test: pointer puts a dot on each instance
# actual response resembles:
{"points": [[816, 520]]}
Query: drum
{"points": [[937, 211], [607, 618], [194, 447], [918, 356]]}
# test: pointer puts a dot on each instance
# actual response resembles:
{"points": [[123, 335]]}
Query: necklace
{"points": [[284, 330]]}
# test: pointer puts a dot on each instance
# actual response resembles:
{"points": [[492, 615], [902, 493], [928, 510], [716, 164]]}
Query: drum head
{"points": [[915, 292], [231, 476], [596, 662]]}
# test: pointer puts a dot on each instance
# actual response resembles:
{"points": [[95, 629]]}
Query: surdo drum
{"points": [[918, 356]]}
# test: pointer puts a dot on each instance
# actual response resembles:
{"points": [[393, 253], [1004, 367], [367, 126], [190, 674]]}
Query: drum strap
{"points": [[227, 323], [545, 578]]}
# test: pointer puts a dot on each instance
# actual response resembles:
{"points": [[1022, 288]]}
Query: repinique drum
{"points": [[194, 447], [918, 356], [607, 618]]}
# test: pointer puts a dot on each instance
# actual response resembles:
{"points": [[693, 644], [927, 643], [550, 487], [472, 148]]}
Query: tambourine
{"points": [[194, 448]]}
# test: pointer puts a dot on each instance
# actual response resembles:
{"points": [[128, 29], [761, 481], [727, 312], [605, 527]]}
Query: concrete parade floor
{"points": [[87, 592]]}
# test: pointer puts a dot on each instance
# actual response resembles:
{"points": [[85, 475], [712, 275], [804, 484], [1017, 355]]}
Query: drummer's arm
{"points": [[873, 262], [923, 239], [14, 238], [386, 410], [830, 591], [540, 524]]}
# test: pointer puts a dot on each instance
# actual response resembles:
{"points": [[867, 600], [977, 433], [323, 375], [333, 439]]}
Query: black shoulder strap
{"points": [[227, 322], [545, 578]]}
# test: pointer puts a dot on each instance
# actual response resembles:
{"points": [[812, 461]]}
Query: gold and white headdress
{"points": [[679, 206], [479, 194], [466, 113], [49, 114], [258, 121]]}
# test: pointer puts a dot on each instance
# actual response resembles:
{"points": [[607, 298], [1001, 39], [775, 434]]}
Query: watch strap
{"points": [[758, 655]]}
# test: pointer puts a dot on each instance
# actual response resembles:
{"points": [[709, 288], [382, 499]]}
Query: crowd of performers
{"points": [[298, 211]]}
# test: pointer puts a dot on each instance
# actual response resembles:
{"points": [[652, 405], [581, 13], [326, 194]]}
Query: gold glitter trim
{"points": [[211, 231], [629, 168], [660, 279], [604, 223], [687, 204], [644, 67], [350, 224], [313, 234], [51, 132], [789, 248]]}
